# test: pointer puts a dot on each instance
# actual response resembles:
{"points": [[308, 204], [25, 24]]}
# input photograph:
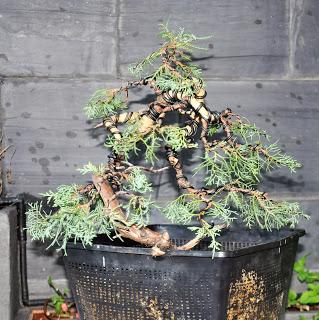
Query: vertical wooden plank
{"points": [[305, 38]]}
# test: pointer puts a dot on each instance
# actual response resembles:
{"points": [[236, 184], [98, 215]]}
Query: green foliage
{"points": [[139, 209], [132, 140], [139, 68], [93, 169], [310, 296], [235, 200], [272, 156], [57, 302], [187, 83], [229, 161], [183, 209], [182, 40], [215, 168], [265, 213], [75, 218], [292, 298], [211, 232], [138, 181], [177, 73], [225, 163], [222, 211], [315, 317], [244, 164], [186, 207], [66, 196], [304, 274], [268, 214], [152, 143], [248, 131], [213, 129], [129, 141], [276, 158], [104, 103], [176, 138]]}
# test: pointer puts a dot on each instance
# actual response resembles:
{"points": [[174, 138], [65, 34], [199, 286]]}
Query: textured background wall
{"points": [[263, 62]]}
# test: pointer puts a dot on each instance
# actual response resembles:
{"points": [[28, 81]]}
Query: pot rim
{"points": [[295, 234]]}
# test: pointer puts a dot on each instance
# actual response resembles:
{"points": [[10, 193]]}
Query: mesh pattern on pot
{"points": [[118, 286], [226, 246], [138, 294]]}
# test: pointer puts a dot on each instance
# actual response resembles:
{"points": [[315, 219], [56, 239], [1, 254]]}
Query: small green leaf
{"points": [[309, 297], [292, 298], [58, 308], [314, 287], [299, 265], [212, 129], [311, 277], [138, 181], [304, 275]]}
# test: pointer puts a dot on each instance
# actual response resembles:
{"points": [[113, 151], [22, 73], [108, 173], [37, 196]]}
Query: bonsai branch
{"points": [[181, 179], [151, 169]]}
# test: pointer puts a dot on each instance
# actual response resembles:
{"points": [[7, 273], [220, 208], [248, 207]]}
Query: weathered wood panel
{"points": [[46, 123], [57, 38], [250, 38], [305, 37]]}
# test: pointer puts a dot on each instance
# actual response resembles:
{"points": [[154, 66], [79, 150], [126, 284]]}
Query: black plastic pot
{"points": [[248, 279]]}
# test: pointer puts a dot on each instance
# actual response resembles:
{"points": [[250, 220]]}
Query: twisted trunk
{"points": [[160, 242]]}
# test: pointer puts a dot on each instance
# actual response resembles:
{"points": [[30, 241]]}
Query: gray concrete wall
{"points": [[263, 61]]}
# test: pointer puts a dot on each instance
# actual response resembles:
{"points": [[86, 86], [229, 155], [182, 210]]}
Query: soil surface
{"points": [[39, 315]]}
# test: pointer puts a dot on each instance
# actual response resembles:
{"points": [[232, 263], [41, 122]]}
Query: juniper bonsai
{"points": [[120, 199]]}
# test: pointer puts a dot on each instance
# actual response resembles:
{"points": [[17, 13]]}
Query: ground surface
{"points": [[24, 312]]}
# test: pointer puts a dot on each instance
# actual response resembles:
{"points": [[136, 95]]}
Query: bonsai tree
{"points": [[119, 200]]}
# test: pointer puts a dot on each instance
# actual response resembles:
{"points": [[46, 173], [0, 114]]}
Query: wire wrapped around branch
{"points": [[181, 179], [112, 122]]}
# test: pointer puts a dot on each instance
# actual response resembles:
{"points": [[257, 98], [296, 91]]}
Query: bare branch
{"points": [[151, 169]]}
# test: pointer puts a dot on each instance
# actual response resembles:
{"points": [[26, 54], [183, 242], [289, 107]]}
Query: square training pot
{"points": [[248, 279]]}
